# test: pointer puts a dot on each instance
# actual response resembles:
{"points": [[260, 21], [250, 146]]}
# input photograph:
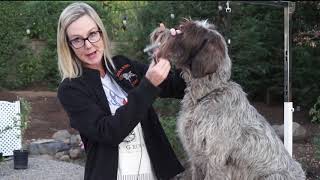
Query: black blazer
{"points": [[86, 104]]}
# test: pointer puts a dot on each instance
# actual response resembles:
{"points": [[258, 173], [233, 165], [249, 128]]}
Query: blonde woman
{"points": [[109, 101]]}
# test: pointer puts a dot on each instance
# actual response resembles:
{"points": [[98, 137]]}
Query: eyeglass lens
{"points": [[92, 38]]}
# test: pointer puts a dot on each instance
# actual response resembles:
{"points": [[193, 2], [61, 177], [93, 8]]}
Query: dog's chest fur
{"points": [[207, 118], [185, 121], [196, 116]]}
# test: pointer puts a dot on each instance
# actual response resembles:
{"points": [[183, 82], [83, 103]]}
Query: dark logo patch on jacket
{"points": [[125, 73]]}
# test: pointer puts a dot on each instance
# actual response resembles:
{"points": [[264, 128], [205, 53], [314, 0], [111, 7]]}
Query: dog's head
{"points": [[157, 37], [160, 34], [200, 50]]}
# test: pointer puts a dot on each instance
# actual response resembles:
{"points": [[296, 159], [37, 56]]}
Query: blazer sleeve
{"points": [[173, 86], [98, 125]]}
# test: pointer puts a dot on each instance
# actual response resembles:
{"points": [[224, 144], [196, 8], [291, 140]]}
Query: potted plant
{"points": [[20, 156]]}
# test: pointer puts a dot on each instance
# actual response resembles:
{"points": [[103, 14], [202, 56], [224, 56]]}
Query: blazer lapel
{"points": [[117, 75], [92, 77]]}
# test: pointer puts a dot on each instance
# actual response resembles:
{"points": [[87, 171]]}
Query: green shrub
{"points": [[315, 112], [29, 71], [20, 64], [306, 87], [25, 110], [316, 142], [167, 106], [169, 125]]}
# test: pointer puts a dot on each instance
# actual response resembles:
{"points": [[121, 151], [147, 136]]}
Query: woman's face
{"points": [[91, 52]]}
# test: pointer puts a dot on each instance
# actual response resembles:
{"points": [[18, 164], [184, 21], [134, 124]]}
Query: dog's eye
{"points": [[178, 27]]}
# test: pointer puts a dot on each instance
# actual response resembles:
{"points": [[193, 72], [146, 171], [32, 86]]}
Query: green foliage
{"points": [[316, 142], [315, 112], [30, 71], [306, 54], [256, 48], [306, 16], [125, 38], [167, 109], [18, 58], [25, 110], [167, 106], [11, 47], [169, 125], [22, 65], [305, 65]]}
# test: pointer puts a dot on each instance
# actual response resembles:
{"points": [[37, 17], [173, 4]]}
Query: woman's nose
{"points": [[87, 44]]}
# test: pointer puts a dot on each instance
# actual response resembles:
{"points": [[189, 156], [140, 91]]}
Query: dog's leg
{"points": [[217, 173], [277, 177], [196, 172]]}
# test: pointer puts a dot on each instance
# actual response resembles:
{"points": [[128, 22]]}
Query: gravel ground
{"points": [[42, 169], [306, 155]]}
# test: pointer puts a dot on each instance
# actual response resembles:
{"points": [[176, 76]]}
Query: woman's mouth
{"points": [[92, 55]]}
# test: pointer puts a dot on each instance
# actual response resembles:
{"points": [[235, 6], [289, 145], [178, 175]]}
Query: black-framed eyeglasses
{"points": [[78, 42]]}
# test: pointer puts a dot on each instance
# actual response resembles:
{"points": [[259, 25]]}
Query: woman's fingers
{"points": [[175, 31], [157, 73]]}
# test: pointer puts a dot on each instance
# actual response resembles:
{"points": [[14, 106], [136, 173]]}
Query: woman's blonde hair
{"points": [[69, 65]]}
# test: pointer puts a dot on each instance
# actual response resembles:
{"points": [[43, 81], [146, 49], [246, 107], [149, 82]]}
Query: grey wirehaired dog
{"points": [[224, 136]]}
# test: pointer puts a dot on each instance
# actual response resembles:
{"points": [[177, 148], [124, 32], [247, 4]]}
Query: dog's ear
{"points": [[208, 57]]}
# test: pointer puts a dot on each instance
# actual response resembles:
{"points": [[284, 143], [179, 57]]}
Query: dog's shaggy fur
{"points": [[224, 136]]}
